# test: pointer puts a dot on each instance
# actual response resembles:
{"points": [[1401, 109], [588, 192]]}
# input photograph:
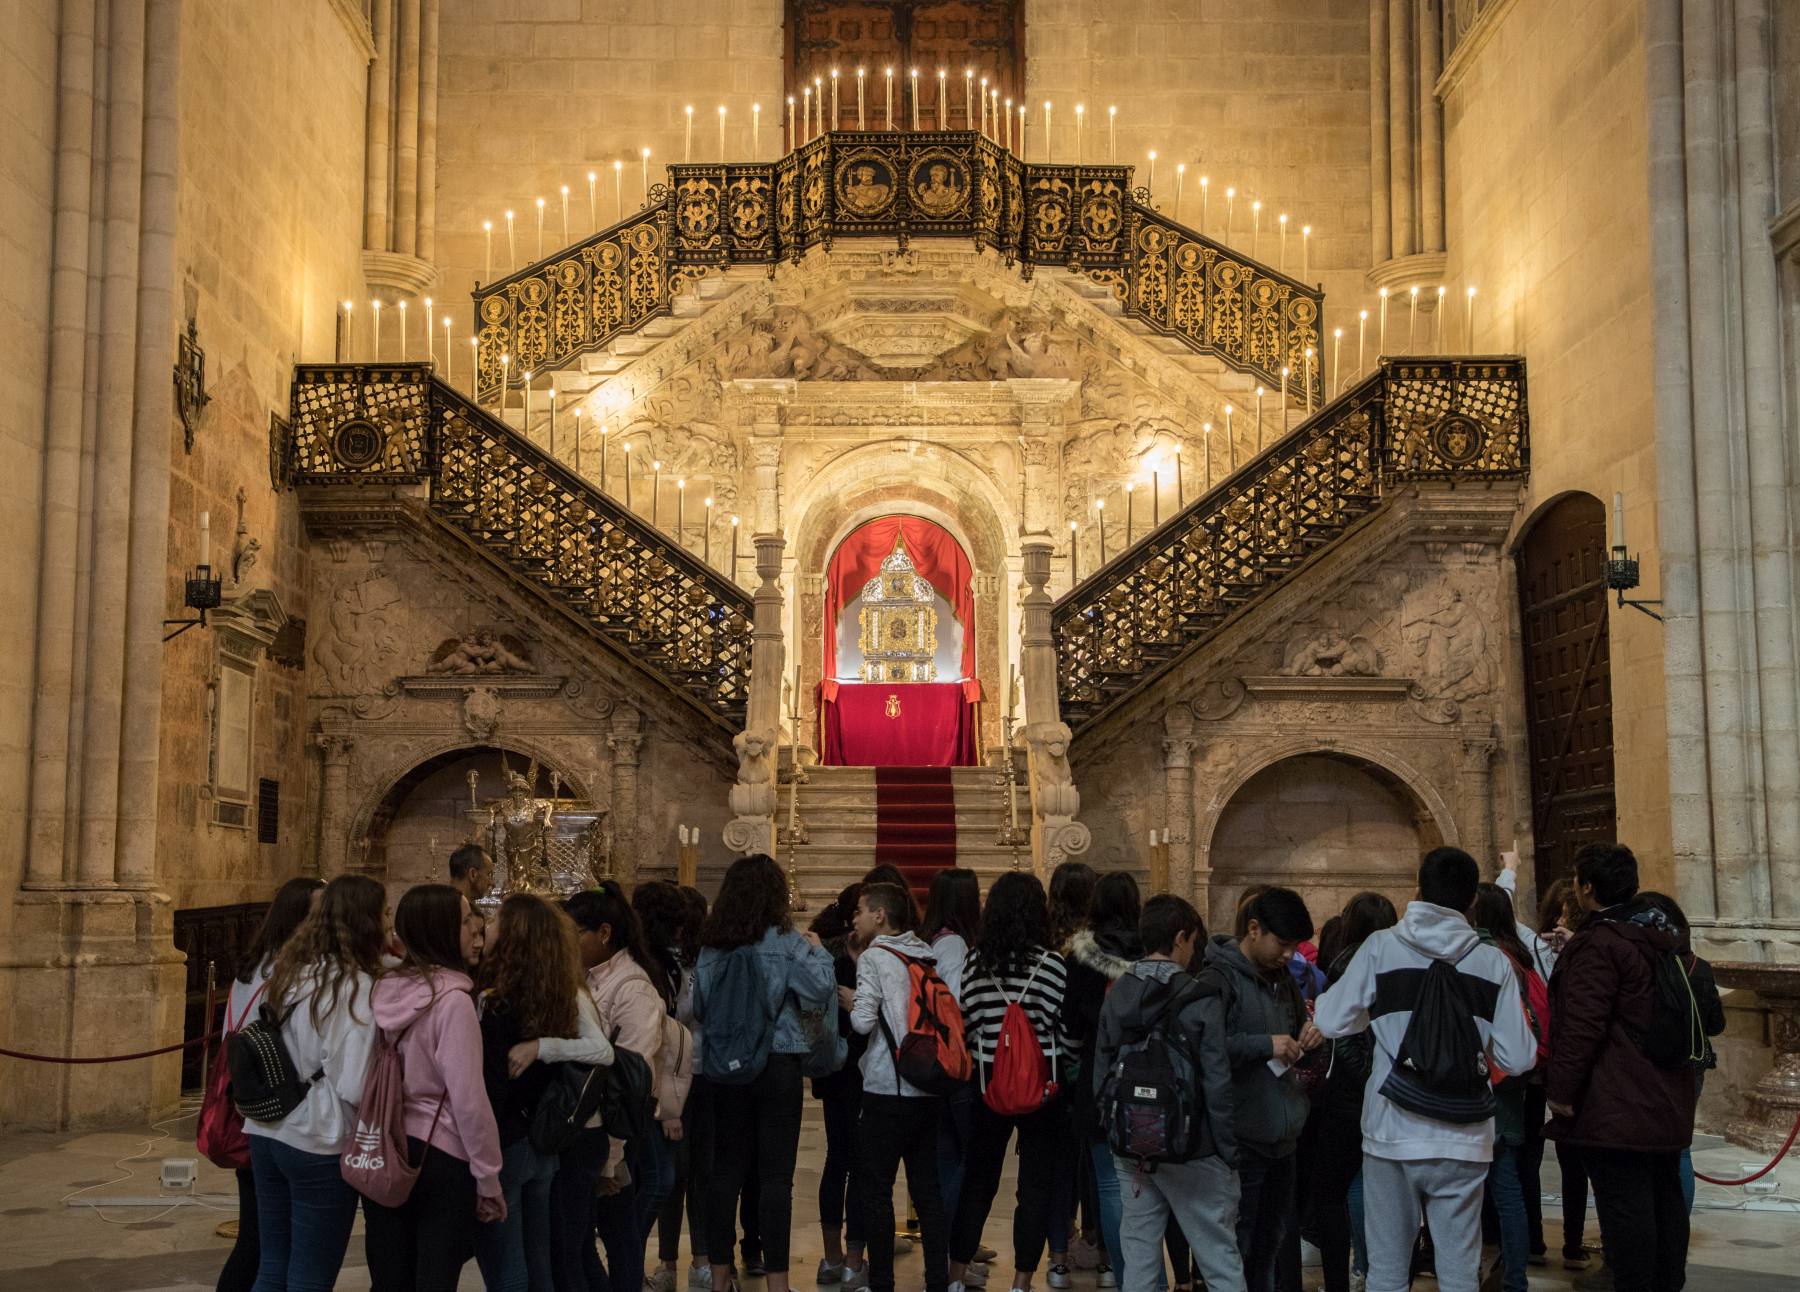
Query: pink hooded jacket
{"points": [[441, 1051]]}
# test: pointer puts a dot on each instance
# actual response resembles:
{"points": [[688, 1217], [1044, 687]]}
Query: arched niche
{"points": [[937, 556], [1328, 823], [428, 801]]}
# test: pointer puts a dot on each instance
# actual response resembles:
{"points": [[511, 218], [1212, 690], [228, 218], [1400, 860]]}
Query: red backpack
{"points": [[934, 1056], [219, 1133], [1020, 1080]]}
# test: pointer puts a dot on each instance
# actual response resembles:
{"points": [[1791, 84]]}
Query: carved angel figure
{"points": [[480, 652]]}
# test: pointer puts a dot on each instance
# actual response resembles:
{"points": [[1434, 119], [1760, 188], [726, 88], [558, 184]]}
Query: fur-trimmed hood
{"points": [[1108, 953]]}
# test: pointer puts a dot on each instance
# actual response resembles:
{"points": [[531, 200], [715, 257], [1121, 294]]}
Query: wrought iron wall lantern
{"points": [[191, 398], [203, 592], [1622, 577]]}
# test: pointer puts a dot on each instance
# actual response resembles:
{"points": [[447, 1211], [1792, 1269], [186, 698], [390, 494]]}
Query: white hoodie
{"points": [[883, 989], [338, 1048], [1377, 992]]}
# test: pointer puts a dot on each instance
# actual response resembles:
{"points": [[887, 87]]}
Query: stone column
{"points": [[1474, 774], [335, 748], [625, 735], [376, 175], [753, 798], [1381, 224], [1056, 834], [1401, 72], [1178, 798], [406, 128], [1431, 128]]}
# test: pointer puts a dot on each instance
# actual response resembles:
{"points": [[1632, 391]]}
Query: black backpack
{"points": [[1675, 1037], [265, 1085], [1441, 1070], [575, 1093], [627, 1095], [1151, 1104]]}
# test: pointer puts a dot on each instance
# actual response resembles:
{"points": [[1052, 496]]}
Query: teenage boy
{"points": [[1266, 1034], [1201, 1193], [899, 1121], [1413, 1162], [1630, 1118]]}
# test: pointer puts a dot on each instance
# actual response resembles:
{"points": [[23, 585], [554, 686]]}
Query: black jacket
{"points": [[514, 1098], [1096, 960]]}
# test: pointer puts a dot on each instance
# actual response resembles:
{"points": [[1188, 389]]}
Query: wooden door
{"points": [[957, 35], [1568, 682]]}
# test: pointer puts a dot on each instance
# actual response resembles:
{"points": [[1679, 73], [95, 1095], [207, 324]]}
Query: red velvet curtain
{"points": [[938, 557]]}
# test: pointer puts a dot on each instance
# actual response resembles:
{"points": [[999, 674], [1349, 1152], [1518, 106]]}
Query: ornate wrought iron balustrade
{"points": [[900, 185], [653, 601], [1423, 419]]}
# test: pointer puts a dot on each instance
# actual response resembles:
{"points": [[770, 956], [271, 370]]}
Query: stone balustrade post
{"points": [[1056, 835], [752, 827]]}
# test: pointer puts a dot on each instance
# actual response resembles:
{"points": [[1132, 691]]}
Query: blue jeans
{"points": [[652, 1175], [954, 1134], [1106, 1187], [1687, 1178], [514, 1254], [1509, 1201], [304, 1211], [1266, 1206]]}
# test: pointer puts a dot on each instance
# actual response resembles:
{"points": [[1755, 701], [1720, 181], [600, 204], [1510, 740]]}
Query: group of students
{"points": [[1207, 1100]]}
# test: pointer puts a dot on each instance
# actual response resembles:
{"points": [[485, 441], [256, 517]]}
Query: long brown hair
{"points": [[341, 939], [1492, 914], [287, 912], [428, 922], [753, 899], [534, 965]]}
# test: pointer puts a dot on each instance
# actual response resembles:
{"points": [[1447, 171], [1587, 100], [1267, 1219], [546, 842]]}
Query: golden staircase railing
{"points": [[654, 602], [901, 185], [1412, 419]]}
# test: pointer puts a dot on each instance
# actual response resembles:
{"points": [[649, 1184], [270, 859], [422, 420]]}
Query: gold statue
{"points": [[523, 823]]}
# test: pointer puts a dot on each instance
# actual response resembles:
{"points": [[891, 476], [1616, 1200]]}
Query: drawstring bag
{"points": [[376, 1163], [1021, 1079]]}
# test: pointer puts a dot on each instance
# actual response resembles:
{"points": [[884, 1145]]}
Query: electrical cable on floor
{"points": [[190, 1107]]}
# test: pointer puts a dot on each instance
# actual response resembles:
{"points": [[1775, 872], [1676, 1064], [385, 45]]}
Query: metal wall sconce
{"points": [[1622, 577], [190, 385], [203, 593]]}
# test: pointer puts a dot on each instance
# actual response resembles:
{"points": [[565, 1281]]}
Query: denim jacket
{"points": [[795, 974]]}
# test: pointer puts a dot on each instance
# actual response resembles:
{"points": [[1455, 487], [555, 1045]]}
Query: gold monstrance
{"points": [[898, 623]]}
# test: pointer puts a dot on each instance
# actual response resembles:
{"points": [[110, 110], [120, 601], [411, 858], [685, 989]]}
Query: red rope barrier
{"points": [[208, 1033], [1792, 1134]]}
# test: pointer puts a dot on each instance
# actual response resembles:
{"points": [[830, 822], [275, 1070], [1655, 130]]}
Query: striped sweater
{"points": [[985, 994]]}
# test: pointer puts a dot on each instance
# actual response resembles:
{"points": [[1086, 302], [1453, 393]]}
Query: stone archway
{"points": [[1327, 822]]}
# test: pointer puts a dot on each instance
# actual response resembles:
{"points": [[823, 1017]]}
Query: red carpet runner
{"points": [[915, 822]]}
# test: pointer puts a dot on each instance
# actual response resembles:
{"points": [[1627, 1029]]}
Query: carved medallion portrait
{"points": [[940, 185], [865, 184]]}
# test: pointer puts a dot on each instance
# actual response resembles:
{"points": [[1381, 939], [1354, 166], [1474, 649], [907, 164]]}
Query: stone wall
{"points": [[1552, 225], [270, 242]]}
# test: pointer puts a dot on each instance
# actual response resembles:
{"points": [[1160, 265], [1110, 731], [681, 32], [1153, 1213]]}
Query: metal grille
{"points": [[657, 604], [1435, 419], [268, 810]]}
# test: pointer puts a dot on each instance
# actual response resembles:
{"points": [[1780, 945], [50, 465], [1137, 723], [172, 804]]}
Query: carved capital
{"points": [[335, 747], [1178, 754]]}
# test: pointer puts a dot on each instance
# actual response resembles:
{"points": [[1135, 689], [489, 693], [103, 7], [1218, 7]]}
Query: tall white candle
{"points": [[512, 249], [861, 124], [1337, 369], [943, 108], [756, 132], [1381, 333], [687, 138], [646, 176], [449, 354], [721, 132], [1074, 560], [1281, 261], [1437, 322], [793, 140], [602, 457], [818, 87], [1469, 319], [1255, 226], [1205, 194], [1080, 131], [375, 308], [1007, 143], [1412, 321], [1112, 135], [1047, 152], [1180, 178], [205, 539], [618, 189], [593, 203], [1362, 330], [1023, 113], [706, 534], [1152, 184], [805, 113], [405, 354], [1230, 209], [540, 230], [835, 118], [888, 101], [984, 105], [1618, 522], [1206, 440], [1305, 253], [487, 230], [1230, 440], [968, 98], [565, 214], [915, 98]]}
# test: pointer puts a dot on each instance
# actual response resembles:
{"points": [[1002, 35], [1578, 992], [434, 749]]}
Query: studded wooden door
{"points": [[1568, 682], [956, 35]]}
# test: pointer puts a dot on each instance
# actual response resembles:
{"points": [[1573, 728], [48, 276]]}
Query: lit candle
{"points": [[404, 353], [655, 488], [1155, 497], [1381, 334], [1047, 153], [540, 230], [593, 203], [915, 98], [994, 116], [1469, 319], [505, 368], [627, 448], [1152, 184], [618, 189], [1206, 441], [756, 132], [206, 540], [1100, 510], [889, 99], [1205, 194], [1255, 226], [1074, 563], [1130, 514], [487, 230], [474, 363], [1362, 329], [1337, 340], [1282, 423], [706, 534], [512, 250], [793, 141], [984, 105], [1305, 252], [1080, 131], [1281, 261], [449, 354], [680, 509], [552, 444], [1180, 488], [721, 132], [1412, 319], [603, 457], [1180, 178], [565, 200], [1230, 209], [577, 416], [1259, 419], [1230, 441], [687, 139], [376, 307], [806, 112], [860, 123], [1618, 525], [646, 176], [346, 342], [1007, 143], [1437, 323], [834, 101], [1307, 369], [968, 98], [526, 427], [1112, 135], [943, 107], [818, 86], [1022, 114], [734, 546]]}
